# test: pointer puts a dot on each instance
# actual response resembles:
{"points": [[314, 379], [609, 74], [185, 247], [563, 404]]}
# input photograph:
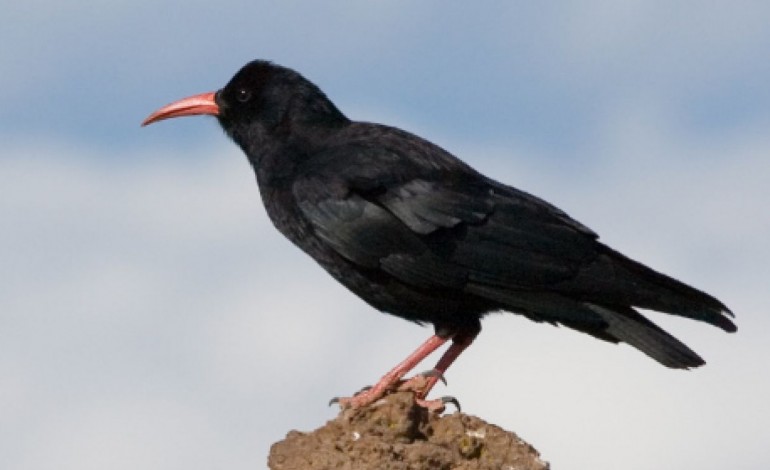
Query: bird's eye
{"points": [[243, 95]]}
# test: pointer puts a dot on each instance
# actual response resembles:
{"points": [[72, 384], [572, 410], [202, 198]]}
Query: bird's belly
{"points": [[441, 307]]}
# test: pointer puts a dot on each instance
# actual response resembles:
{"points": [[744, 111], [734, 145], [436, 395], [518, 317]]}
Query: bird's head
{"points": [[262, 104]]}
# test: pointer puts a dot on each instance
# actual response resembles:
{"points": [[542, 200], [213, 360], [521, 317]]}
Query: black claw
{"points": [[336, 400], [451, 400], [434, 373]]}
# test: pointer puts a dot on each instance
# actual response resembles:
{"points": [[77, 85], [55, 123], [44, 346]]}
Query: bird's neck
{"points": [[275, 158]]}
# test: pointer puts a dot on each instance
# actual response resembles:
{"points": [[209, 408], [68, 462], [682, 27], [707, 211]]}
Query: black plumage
{"points": [[417, 233]]}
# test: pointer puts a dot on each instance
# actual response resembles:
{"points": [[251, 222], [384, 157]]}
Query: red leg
{"points": [[392, 378], [460, 343]]}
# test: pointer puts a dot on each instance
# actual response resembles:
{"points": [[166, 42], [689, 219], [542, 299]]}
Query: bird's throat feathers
{"points": [[301, 123]]}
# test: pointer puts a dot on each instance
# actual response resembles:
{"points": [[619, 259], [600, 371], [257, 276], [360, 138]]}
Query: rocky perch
{"points": [[396, 434]]}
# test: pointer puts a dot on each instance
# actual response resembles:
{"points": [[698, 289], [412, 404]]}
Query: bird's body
{"points": [[419, 234]]}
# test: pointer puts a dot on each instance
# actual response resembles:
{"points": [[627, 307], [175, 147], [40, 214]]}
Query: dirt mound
{"points": [[396, 434]]}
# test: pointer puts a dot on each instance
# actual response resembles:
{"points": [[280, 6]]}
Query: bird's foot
{"points": [[420, 385], [364, 398], [438, 405]]}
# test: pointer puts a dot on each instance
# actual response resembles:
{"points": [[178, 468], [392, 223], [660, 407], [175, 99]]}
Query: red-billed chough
{"points": [[419, 234]]}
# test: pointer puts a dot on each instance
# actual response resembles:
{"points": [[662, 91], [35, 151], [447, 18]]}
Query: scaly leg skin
{"points": [[392, 379], [421, 384], [424, 384]]}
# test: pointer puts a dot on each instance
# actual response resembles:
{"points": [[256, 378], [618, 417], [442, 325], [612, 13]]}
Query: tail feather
{"points": [[614, 279], [629, 326], [609, 323]]}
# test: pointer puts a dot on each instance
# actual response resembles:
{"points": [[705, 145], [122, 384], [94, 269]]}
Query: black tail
{"points": [[627, 325], [599, 301], [614, 279], [613, 324]]}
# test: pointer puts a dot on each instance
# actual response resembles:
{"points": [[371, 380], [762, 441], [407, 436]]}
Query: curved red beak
{"points": [[190, 106]]}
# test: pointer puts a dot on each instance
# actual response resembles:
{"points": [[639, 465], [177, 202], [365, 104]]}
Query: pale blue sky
{"points": [[150, 316]]}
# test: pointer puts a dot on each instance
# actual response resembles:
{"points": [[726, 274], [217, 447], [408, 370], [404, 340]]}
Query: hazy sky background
{"points": [[151, 317]]}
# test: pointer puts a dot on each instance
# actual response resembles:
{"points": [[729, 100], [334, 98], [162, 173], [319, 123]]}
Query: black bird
{"points": [[419, 234]]}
